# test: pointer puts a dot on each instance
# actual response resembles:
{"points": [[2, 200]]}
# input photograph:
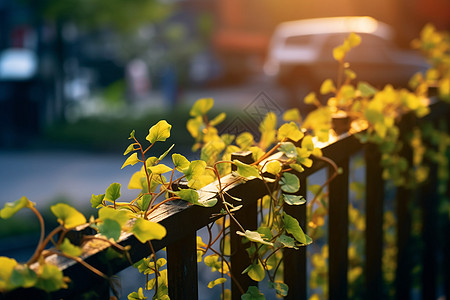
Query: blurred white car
{"points": [[300, 53]]}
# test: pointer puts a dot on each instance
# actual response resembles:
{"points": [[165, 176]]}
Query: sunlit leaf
{"points": [[135, 181], [188, 195], [152, 266], [290, 131], [159, 132], [218, 119], [131, 160], [11, 208], [254, 236], [311, 98], [161, 157], [297, 167], [160, 169], [180, 162], [139, 295], [129, 149], [245, 140], [294, 199], [201, 107], [145, 230], [255, 271], [218, 281], [293, 115], [7, 266], [121, 216], [213, 261], [67, 216], [353, 39], [289, 183], [246, 171], [327, 87], [273, 167], [68, 248]]}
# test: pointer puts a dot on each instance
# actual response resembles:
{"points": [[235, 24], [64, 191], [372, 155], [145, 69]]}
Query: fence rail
{"points": [[182, 222]]}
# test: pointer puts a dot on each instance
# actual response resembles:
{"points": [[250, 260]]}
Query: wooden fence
{"points": [[182, 222]]}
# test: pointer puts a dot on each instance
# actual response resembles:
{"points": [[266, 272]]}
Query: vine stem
{"points": [[80, 261], [159, 204], [42, 245], [41, 238], [229, 273], [336, 172]]}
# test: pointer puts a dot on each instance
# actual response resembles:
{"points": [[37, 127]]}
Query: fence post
{"points": [[247, 217], [374, 223], [295, 260], [338, 233], [182, 268]]}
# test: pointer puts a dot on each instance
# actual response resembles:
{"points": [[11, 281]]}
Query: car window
{"points": [[298, 40]]}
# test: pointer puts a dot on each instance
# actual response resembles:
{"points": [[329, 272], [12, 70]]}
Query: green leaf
{"points": [[201, 107], [129, 149], [288, 149], [139, 295], [255, 271], [287, 241], [293, 199], [11, 208], [281, 288], [68, 248], [160, 169], [159, 132], [188, 195], [151, 266], [97, 200], [218, 281], [144, 201], [289, 183], [112, 192], [131, 160], [253, 294], [180, 162], [145, 230], [50, 279], [23, 276], [290, 131], [246, 171], [67, 216], [110, 229], [293, 227], [161, 157], [366, 89], [254, 236]]}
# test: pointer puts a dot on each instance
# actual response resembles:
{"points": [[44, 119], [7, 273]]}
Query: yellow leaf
{"points": [[293, 115], [68, 216], [327, 87], [160, 169], [145, 230], [135, 181], [131, 160], [201, 107], [159, 132], [273, 167], [290, 131], [339, 53], [354, 39]]}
